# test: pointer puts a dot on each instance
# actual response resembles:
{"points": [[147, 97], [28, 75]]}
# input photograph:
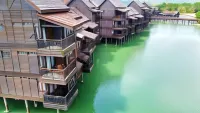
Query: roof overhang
{"points": [[139, 16], [96, 11], [124, 10], [85, 34], [145, 8], [49, 6], [55, 21], [90, 25], [132, 18]]}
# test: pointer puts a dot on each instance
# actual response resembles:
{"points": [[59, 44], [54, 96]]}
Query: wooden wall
{"points": [[18, 26], [106, 21], [25, 63], [108, 9], [19, 86], [135, 5]]}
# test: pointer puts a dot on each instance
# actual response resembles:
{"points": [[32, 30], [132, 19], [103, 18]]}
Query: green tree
{"points": [[190, 10], [198, 14], [197, 6], [182, 9]]}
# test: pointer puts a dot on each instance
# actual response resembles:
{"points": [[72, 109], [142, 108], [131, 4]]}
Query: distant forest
{"points": [[181, 7]]}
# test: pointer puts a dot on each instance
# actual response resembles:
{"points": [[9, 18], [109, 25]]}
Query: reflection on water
{"points": [[163, 77]]}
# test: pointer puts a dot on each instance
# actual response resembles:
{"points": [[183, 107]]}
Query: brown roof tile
{"points": [[69, 19], [48, 6]]}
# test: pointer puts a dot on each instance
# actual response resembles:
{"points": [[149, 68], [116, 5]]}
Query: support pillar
{"points": [[58, 111], [35, 104], [6, 105], [82, 78], [106, 41], [27, 108], [116, 42]]}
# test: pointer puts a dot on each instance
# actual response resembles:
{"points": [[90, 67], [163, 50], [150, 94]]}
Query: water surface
{"points": [[158, 71]]}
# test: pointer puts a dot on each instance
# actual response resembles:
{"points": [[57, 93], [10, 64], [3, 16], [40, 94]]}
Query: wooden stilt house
{"points": [[39, 51]]}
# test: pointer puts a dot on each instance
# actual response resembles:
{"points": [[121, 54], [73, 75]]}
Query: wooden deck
{"points": [[173, 18], [176, 20]]}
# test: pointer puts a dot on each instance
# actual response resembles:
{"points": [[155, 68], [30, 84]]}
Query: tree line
{"points": [[181, 7]]}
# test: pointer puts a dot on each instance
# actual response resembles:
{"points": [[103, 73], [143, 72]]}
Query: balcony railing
{"points": [[58, 74], [119, 26], [59, 99], [56, 44], [88, 47]]}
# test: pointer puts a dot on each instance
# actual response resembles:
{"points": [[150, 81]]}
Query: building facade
{"points": [[40, 50]]}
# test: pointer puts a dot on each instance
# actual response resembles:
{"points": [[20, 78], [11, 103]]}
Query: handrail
{"points": [[55, 39], [58, 44], [62, 72], [64, 99], [59, 70]]}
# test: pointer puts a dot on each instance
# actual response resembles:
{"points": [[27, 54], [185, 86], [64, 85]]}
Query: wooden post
{"points": [[6, 105], [116, 42], [82, 78], [58, 111], [27, 108], [35, 104]]}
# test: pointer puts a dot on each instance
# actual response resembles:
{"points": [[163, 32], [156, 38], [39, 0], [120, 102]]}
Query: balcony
{"points": [[60, 102], [58, 76], [55, 47], [87, 67], [119, 18], [119, 26], [88, 48]]}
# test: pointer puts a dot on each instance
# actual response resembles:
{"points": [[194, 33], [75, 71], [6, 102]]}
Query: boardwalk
{"points": [[181, 20]]}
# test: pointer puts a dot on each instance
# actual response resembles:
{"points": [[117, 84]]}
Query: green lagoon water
{"points": [[158, 71]]}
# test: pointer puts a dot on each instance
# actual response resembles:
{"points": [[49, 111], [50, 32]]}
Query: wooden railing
{"points": [[88, 47], [119, 26], [56, 44], [59, 99], [58, 74]]}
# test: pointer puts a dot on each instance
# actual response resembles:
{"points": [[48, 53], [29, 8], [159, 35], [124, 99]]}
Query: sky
{"points": [[160, 1]]}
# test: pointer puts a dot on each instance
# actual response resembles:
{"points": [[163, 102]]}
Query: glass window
{"points": [[32, 53], [22, 53], [6, 54], [1, 27], [0, 54]]}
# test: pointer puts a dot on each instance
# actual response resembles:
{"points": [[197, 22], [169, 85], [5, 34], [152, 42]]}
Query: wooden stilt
{"points": [[27, 108], [82, 78], [58, 111], [6, 105], [116, 42], [35, 104]]}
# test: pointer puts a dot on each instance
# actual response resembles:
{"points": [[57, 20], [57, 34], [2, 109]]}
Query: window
{"points": [[6, 54], [1, 27], [22, 53], [32, 53], [26, 23], [0, 54]]}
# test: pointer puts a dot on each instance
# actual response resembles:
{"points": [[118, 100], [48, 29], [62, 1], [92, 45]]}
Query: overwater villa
{"points": [[40, 52], [144, 14], [46, 45]]}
